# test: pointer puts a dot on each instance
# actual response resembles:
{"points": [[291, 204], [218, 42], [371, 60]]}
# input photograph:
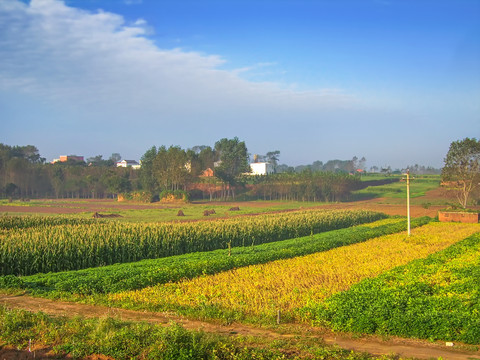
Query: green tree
{"points": [[207, 157], [147, 178], [233, 156], [462, 169], [272, 157], [115, 157], [117, 182], [170, 168], [99, 161]]}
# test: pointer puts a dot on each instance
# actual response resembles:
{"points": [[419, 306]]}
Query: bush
{"points": [[174, 196]]}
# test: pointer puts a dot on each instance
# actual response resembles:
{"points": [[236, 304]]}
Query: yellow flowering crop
{"points": [[290, 284]]}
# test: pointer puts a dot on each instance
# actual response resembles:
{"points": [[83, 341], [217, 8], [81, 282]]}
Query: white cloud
{"points": [[95, 59], [92, 70]]}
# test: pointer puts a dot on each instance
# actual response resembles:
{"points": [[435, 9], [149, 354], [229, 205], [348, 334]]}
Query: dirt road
{"points": [[373, 345]]}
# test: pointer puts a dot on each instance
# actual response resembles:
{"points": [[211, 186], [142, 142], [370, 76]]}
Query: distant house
{"points": [[129, 163], [207, 173], [261, 168], [65, 158]]}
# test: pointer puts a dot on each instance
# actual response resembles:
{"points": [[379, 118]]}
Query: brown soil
{"points": [[74, 206], [371, 344], [80, 206]]}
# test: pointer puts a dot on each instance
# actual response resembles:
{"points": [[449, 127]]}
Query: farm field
{"points": [[137, 275], [270, 286], [130, 211], [426, 199], [292, 285], [434, 297], [27, 249]]}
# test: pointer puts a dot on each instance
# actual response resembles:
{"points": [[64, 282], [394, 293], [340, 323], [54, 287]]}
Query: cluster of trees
{"points": [[337, 166], [461, 173], [305, 186], [350, 166], [177, 169], [24, 174]]}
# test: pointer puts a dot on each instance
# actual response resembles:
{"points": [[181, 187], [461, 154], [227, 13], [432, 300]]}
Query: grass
{"points": [[394, 193], [156, 212], [194, 211], [80, 337], [398, 190]]}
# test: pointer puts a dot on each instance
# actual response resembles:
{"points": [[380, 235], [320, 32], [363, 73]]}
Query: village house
{"points": [[129, 163]]}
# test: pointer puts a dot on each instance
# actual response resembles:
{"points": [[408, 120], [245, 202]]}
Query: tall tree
{"points": [[207, 158], [170, 167], [462, 168], [147, 178], [115, 157], [272, 157], [117, 181], [233, 156], [99, 161]]}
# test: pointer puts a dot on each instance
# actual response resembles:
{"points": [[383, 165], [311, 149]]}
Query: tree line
{"points": [[202, 172], [25, 174], [307, 185]]}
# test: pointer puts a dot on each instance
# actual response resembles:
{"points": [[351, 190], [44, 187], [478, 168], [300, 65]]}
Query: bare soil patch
{"points": [[371, 344], [75, 206]]}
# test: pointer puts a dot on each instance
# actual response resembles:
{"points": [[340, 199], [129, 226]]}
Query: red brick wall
{"points": [[463, 217]]}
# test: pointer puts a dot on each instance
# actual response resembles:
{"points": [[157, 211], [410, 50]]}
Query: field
{"points": [[272, 281], [426, 199]]}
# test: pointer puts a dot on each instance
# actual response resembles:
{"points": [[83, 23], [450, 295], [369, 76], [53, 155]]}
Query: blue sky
{"points": [[395, 81]]}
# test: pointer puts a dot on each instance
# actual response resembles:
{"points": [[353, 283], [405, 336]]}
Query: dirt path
{"points": [[370, 344]]}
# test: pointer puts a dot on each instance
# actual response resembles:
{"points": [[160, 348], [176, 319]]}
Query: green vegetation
{"points": [[131, 276], [435, 298], [24, 222], [305, 186], [195, 211], [398, 190], [80, 337], [73, 247], [157, 212]]}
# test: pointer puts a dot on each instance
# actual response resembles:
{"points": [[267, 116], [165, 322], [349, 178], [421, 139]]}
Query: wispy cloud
{"points": [[104, 73], [133, 2], [62, 52]]}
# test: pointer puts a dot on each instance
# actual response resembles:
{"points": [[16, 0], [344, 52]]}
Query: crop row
{"points": [[137, 275], [8, 222], [27, 251], [295, 286], [437, 298]]}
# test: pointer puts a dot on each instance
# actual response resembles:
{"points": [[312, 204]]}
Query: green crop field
{"points": [[343, 270], [71, 246], [419, 185]]}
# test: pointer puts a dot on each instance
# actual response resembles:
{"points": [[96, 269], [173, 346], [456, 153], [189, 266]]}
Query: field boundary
{"points": [[371, 344]]}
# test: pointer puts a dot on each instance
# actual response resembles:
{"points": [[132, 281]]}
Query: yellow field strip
{"points": [[290, 284]]}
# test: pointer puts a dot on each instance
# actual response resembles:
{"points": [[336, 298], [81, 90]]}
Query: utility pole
{"points": [[408, 200]]}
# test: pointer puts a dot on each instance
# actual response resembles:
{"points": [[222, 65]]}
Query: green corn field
{"points": [[71, 244]]}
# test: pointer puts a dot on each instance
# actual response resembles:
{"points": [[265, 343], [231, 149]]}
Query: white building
{"points": [[127, 163], [261, 168]]}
